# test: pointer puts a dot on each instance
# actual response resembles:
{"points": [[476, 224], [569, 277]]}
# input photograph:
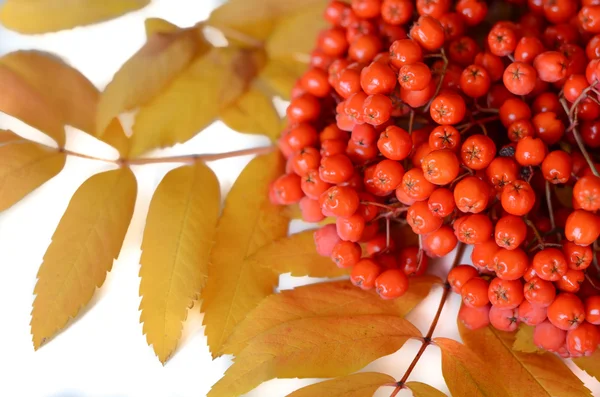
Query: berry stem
{"points": [[411, 121], [592, 282], [442, 55], [486, 110], [387, 233], [427, 339], [536, 233], [573, 120], [550, 209], [580, 98], [467, 126], [387, 207]]}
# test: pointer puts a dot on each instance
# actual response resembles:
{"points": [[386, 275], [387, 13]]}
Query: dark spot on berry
{"points": [[507, 151]]}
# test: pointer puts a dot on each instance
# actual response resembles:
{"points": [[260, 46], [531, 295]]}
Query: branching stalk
{"points": [[436, 318]]}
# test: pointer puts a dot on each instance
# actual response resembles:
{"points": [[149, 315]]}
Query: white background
{"points": [[103, 352]]}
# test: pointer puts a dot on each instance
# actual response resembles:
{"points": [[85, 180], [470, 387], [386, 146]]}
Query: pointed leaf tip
{"points": [[249, 221], [87, 240], [314, 348], [320, 300]]}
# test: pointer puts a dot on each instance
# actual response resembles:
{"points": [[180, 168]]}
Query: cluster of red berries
{"points": [[403, 118]]}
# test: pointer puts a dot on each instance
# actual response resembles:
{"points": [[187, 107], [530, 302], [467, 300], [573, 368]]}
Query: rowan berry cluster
{"points": [[405, 117]]}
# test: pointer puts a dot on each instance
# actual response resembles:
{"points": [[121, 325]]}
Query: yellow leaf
{"points": [[362, 384], [194, 99], [339, 298], [280, 75], [468, 375], [524, 340], [249, 221], [530, 374], [147, 73], [7, 136], [255, 18], [24, 166], [419, 389], [297, 255], [116, 137], [590, 364], [42, 16], [158, 25], [295, 35], [88, 238], [253, 113], [321, 347], [177, 241]]}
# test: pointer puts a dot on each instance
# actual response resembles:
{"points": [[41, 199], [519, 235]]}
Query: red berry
{"points": [[391, 284], [474, 317], [566, 312], [530, 314], [346, 254], [458, 276], [339, 201], [504, 319], [548, 337], [364, 273], [325, 239], [474, 292]]}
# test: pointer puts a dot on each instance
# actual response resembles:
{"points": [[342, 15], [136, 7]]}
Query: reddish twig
{"points": [[186, 158], [571, 112], [429, 335]]}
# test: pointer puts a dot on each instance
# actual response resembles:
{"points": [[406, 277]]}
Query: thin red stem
{"points": [[434, 323], [572, 113], [551, 210]]}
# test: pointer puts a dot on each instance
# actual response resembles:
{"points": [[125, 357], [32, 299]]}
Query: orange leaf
{"points": [[466, 374], [87, 239], [530, 374], [319, 347], [362, 384], [419, 389], [249, 221], [321, 300], [68, 93], [24, 166], [43, 16]]}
